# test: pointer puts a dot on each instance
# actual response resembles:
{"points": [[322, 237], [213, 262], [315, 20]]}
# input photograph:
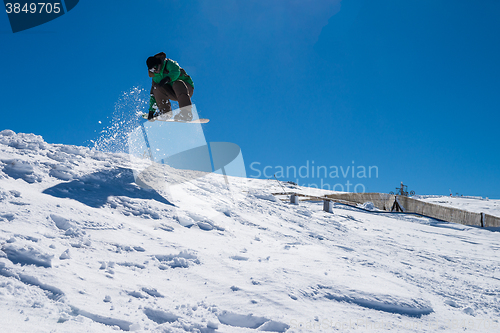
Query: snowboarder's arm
{"points": [[174, 71], [152, 102]]}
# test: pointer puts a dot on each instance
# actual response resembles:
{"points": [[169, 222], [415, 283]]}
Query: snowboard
{"points": [[160, 118]]}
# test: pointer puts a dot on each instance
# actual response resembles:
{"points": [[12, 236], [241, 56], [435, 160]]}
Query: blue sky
{"points": [[409, 87]]}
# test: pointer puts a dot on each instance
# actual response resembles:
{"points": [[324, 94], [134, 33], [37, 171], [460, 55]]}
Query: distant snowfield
{"points": [[476, 205], [84, 249]]}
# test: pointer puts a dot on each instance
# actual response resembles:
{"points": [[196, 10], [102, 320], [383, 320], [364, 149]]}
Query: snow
{"points": [[471, 204], [85, 249]]}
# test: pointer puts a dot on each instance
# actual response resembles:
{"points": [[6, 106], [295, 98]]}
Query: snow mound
{"points": [[27, 256], [19, 169], [251, 321], [387, 303], [368, 206], [181, 260]]}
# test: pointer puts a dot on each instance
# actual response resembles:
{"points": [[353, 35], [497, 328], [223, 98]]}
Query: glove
{"points": [[165, 81], [151, 115]]}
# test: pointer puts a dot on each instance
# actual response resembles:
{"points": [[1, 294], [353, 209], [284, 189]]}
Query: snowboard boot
{"points": [[185, 114], [164, 114]]}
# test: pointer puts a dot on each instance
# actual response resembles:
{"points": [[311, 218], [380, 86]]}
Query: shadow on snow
{"points": [[94, 189]]}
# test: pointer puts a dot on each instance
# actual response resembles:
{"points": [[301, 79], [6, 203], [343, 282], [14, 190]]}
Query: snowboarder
{"points": [[170, 82]]}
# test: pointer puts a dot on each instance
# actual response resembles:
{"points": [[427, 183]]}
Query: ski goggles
{"points": [[155, 69]]}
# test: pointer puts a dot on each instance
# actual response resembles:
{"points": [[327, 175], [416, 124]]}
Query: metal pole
{"points": [[279, 183]]}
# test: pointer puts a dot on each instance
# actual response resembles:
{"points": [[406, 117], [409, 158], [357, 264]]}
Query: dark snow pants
{"points": [[179, 91]]}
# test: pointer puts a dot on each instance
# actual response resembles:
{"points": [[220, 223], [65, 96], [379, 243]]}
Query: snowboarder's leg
{"points": [[162, 97], [183, 93]]}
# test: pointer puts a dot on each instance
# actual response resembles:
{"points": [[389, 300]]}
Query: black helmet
{"points": [[153, 62]]}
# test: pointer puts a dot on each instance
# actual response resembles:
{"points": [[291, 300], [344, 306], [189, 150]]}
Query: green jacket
{"points": [[169, 73]]}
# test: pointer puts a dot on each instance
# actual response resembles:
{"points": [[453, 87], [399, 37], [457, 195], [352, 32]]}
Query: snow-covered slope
{"points": [[84, 249]]}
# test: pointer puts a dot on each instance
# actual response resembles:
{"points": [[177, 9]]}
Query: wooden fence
{"points": [[388, 202]]}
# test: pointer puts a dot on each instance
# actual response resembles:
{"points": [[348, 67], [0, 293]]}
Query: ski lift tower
{"points": [[403, 190]]}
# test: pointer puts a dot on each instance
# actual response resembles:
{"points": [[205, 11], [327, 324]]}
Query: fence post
{"points": [[327, 206], [482, 220], [294, 199]]}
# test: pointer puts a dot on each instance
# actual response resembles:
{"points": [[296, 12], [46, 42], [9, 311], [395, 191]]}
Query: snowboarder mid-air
{"points": [[170, 82]]}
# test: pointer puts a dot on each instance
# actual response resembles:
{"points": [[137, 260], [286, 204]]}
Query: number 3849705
{"points": [[33, 8]]}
